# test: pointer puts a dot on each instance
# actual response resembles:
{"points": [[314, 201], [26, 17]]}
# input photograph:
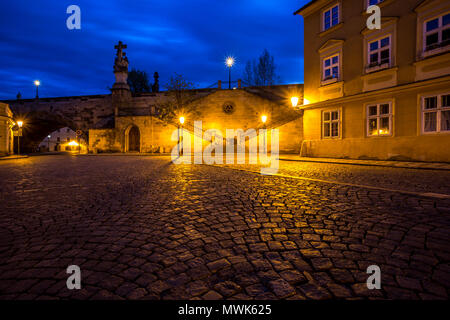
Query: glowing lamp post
{"points": [[19, 124], [264, 120], [37, 83], [48, 142], [182, 119], [229, 62], [294, 101]]}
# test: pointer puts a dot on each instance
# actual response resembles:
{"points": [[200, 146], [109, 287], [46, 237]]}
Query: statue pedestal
{"points": [[121, 94]]}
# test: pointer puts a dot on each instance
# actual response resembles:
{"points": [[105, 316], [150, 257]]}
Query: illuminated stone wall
{"points": [[216, 109]]}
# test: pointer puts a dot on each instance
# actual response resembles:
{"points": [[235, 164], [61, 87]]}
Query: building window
{"points": [[437, 33], [373, 2], [379, 119], [58, 139], [331, 17], [331, 68], [330, 124], [380, 52], [436, 113]]}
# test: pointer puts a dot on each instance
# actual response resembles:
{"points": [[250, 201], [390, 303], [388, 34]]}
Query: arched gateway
{"points": [[134, 140]]}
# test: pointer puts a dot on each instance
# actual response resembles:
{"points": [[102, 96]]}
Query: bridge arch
{"points": [[39, 124]]}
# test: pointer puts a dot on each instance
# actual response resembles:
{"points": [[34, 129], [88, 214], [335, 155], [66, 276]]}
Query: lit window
{"points": [[380, 52], [379, 119], [437, 32], [331, 17], [436, 114], [331, 68], [330, 124]]}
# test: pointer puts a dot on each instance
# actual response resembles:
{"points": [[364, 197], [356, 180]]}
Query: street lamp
{"points": [[48, 142], [19, 124], [37, 83], [229, 62], [181, 125], [264, 120], [294, 101]]}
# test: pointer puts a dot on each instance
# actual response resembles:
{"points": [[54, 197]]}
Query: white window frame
{"points": [[378, 117], [439, 31], [438, 110], [338, 65], [331, 122], [330, 9], [379, 66]]}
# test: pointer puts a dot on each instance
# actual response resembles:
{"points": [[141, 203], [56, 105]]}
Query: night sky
{"points": [[191, 38]]}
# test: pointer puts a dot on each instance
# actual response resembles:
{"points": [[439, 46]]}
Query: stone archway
{"points": [[133, 139], [37, 125]]}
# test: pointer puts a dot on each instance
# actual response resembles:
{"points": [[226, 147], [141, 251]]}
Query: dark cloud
{"points": [[188, 37]]}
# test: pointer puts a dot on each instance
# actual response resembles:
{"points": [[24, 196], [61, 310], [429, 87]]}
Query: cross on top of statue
{"points": [[121, 65], [120, 48]]}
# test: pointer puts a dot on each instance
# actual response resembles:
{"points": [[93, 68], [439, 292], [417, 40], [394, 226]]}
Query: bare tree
{"points": [[248, 74], [179, 100], [261, 72]]}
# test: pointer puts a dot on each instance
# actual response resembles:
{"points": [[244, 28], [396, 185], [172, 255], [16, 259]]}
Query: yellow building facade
{"points": [[6, 132], [381, 93]]}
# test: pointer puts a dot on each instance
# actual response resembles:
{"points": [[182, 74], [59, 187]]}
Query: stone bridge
{"points": [[45, 115]]}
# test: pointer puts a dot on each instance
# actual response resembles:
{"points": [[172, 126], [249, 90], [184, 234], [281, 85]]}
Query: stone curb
{"points": [[125, 154], [13, 157], [376, 163]]}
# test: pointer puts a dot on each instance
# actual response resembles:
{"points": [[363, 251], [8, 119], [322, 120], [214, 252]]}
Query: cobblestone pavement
{"points": [[411, 180], [143, 228]]}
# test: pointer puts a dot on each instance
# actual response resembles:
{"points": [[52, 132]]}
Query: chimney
{"points": [[220, 84], [239, 83]]}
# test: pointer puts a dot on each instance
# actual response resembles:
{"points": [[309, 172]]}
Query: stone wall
{"points": [[216, 109], [83, 112]]}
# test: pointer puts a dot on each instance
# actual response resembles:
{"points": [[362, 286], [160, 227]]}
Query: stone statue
{"points": [[121, 67], [121, 61]]}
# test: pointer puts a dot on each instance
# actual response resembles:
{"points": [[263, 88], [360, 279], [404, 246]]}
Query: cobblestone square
{"points": [[144, 228]]}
